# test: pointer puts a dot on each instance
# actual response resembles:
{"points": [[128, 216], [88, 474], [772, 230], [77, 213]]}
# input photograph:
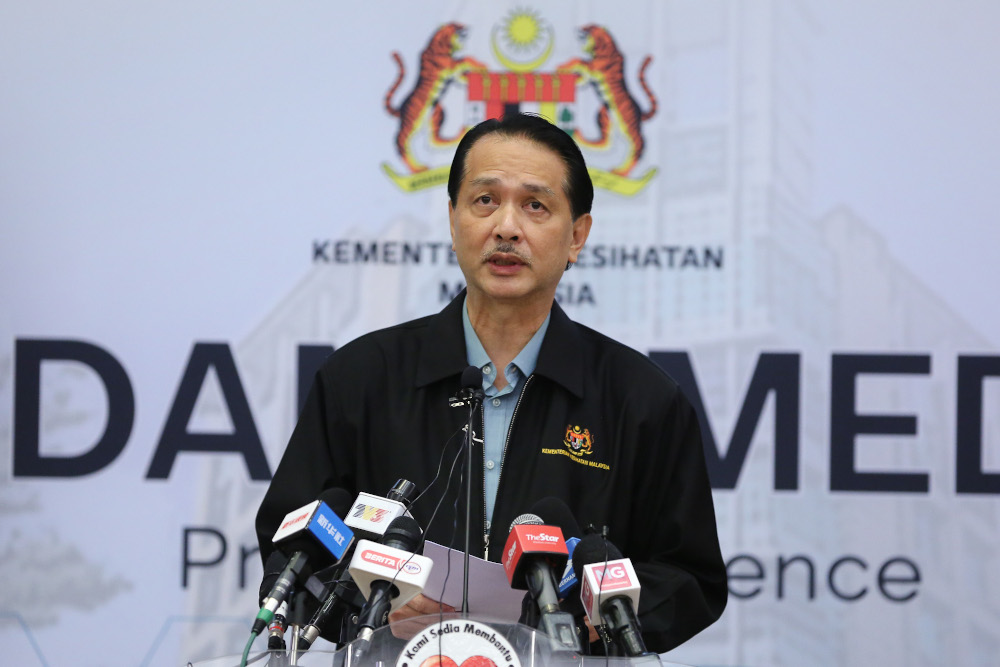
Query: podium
{"points": [[439, 640]]}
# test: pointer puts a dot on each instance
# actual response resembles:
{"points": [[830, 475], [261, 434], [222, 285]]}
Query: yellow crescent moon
{"points": [[515, 66]]}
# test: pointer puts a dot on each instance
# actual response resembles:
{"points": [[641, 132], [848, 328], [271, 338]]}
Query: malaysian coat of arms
{"points": [[523, 43]]}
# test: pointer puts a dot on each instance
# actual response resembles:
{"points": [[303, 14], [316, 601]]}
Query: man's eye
{"points": [[485, 199], [536, 206]]}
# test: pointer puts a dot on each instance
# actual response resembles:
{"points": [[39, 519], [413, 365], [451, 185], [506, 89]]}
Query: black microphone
{"points": [[311, 537], [276, 630], [609, 591], [273, 566], [472, 379], [343, 597]]}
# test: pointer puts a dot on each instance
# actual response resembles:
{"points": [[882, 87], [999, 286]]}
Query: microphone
{"points": [[609, 591], [312, 536], [273, 566], [370, 516], [555, 512], [389, 574], [276, 630], [471, 392], [343, 595], [532, 555]]}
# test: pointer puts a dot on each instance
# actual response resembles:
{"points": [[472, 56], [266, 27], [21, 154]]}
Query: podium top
{"points": [[445, 640]]}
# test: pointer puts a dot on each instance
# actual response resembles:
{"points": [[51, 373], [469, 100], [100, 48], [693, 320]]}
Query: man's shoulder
{"points": [[623, 362], [380, 346]]}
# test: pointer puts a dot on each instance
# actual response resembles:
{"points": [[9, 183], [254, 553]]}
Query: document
{"points": [[489, 592]]}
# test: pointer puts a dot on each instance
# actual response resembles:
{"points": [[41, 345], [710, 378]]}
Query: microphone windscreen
{"points": [[526, 519], [555, 512], [403, 533], [472, 378], [338, 499], [593, 549], [272, 570]]}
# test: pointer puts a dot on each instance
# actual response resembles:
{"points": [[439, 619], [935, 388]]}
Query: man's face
{"points": [[511, 227]]}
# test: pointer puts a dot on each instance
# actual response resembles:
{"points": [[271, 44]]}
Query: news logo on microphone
{"points": [[607, 580], [536, 541]]}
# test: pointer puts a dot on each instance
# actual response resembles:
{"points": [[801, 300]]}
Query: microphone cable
{"points": [[602, 633]]}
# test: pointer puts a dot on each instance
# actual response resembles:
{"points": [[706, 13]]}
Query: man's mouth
{"points": [[505, 260]]}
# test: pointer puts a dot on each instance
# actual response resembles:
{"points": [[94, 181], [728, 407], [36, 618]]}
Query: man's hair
{"points": [[577, 185]]}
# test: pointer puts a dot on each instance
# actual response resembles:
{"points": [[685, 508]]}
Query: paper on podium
{"points": [[489, 592]]}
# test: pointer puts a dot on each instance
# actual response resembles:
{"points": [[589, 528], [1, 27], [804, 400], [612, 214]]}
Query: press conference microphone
{"points": [[609, 591], [531, 556], [370, 516], [276, 629], [273, 566], [312, 536], [343, 597], [471, 391], [555, 512], [389, 574]]}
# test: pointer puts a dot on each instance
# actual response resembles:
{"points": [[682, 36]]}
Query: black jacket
{"points": [[378, 411]]}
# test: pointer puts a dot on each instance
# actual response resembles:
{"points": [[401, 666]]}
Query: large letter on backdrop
{"points": [[28, 459], [176, 438], [969, 475], [846, 424], [777, 373]]}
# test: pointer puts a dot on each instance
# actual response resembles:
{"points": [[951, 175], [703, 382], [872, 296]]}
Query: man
{"points": [[569, 412]]}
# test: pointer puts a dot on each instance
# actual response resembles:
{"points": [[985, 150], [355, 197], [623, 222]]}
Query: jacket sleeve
{"points": [[673, 533], [316, 458]]}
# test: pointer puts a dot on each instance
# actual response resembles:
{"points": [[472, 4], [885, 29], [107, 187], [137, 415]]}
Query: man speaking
{"points": [[568, 412]]}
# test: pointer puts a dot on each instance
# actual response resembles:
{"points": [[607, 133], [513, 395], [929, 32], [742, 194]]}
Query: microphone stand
{"points": [[474, 401], [471, 394]]}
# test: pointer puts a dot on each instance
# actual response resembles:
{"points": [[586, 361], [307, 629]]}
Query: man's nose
{"points": [[508, 224]]}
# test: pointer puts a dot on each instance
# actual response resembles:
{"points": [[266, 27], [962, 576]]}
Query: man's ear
{"points": [[451, 223], [581, 230]]}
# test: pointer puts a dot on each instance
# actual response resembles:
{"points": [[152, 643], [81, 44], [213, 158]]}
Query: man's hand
{"points": [[418, 606], [593, 633]]}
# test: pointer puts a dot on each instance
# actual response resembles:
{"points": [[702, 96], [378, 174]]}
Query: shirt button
{"points": [[496, 402], [487, 369], [490, 465]]}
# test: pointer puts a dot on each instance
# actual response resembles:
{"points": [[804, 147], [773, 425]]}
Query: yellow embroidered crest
{"points": [[578, 440]]}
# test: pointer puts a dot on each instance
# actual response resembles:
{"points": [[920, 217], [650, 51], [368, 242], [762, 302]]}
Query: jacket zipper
{"points": [[503, 457]]}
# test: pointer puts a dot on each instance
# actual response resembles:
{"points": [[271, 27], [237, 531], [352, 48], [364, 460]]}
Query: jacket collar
{"points": [[442, 350]]}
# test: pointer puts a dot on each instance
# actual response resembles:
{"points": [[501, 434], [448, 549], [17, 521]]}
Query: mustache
{"points": [[505, 248]]}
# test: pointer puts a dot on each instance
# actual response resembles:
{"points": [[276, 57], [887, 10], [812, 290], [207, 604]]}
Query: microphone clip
{"points": [[466, 396]]}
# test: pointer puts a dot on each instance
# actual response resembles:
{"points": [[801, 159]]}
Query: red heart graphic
{"points": [[439, 661], [478, 661]]}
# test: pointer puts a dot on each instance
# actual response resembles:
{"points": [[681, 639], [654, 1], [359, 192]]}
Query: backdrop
{"points": [[794, 216]]}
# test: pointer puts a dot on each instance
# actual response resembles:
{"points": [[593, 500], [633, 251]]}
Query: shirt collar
{"points": [[442, 348], [526, 359]]}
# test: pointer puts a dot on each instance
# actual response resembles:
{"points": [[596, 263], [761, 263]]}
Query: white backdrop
{"points": [[187, 184]]}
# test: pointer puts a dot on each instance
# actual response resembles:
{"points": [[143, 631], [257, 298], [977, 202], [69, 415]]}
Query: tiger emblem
{"points": [[438, 68], [605, 72]]}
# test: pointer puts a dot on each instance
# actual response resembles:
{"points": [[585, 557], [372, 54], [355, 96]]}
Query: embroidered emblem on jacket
{"points": [[578, 443], [578, 440]]}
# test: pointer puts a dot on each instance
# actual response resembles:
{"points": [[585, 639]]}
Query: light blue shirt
{"points": [[498, 406]]}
